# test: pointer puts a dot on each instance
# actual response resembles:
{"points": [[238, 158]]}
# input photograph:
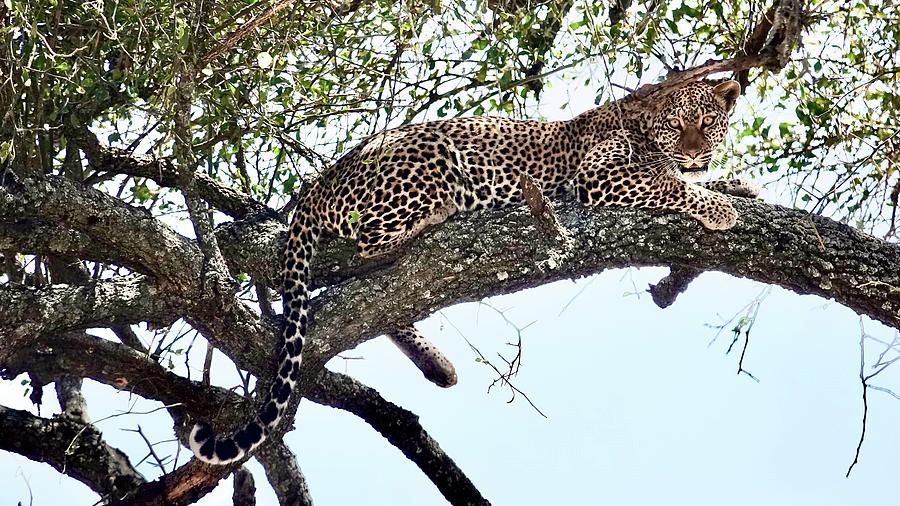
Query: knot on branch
{"points": [[541, 208], [548, 222]]}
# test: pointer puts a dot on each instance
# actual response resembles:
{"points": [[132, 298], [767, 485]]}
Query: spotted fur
{"points": [[385, 191], [435, 366]]}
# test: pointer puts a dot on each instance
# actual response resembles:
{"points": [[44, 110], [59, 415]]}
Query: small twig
{"points": [[581, 291], [743, 353], [503, 378], [865, 387], [153, 454]]}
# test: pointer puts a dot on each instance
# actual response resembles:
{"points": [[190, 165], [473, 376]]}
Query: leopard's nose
{"points": [[691, 152]]}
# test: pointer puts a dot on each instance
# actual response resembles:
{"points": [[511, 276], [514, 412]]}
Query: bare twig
{"points": [[502, 377], [151, 450], [865, 388]]}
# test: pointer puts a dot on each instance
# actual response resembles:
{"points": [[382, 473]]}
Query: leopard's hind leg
{"points": [[436, 367]]}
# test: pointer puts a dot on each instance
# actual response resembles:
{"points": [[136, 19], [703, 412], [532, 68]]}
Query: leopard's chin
{"points": [[694, 174]]}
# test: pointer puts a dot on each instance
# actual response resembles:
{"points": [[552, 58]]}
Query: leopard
{"points": [[428, 358], [649, 152]]}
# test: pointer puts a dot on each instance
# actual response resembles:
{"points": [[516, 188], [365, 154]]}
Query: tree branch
{"points": [[27, 314], [770, 46], [162, 171], [402, 429], [130, 236], [244, 488], [674, 284], [283, 472], [117, 365], [72, 448], [499, 250]]}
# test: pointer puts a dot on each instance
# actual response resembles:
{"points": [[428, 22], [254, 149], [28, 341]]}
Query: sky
{"points": [[643, 405]]}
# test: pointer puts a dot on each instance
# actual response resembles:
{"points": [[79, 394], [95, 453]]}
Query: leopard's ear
{"points": [[728, 92]]}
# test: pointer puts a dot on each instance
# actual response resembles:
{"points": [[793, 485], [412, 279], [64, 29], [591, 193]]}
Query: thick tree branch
{"points": [[72, 448], [87, 356], [402, 429], [27, 314], [770, 46], [283, 472], [244, 488], [805, 253], [132, 236], [117, 365], [122, 234], [68, 392], [483, 254], [464, 258]]}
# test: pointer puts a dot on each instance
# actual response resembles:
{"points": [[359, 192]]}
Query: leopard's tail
{"points": [[299, 251]]}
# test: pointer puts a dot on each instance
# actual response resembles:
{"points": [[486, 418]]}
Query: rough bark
{"points": [[86, 356], [70, 447], [28, 313], [244, 488], [469, 258], [283, 473]]}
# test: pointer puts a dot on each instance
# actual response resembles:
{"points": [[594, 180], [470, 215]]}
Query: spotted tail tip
{"points": [[209, 449]]}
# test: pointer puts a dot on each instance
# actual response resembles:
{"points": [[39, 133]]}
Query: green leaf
{"points": [[5, 150], [142, 193]]}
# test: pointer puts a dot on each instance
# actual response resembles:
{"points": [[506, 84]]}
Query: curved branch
{"points": [[27, 314], [72, 448], [162, 171], [770, 46], [132, 235], [402, 429], [87, 356]]}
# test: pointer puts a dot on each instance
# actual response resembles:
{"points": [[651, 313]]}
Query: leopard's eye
{"points": [[675, 123], [708, 120]]}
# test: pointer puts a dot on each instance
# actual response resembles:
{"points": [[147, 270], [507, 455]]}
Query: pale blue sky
{"points": [[640, 409]]}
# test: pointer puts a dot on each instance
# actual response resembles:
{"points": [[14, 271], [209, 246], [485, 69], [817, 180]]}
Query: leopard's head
{"points": [[691, 122]]}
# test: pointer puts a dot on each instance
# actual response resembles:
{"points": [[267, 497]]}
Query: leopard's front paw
{"points": [[719, 215]]}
